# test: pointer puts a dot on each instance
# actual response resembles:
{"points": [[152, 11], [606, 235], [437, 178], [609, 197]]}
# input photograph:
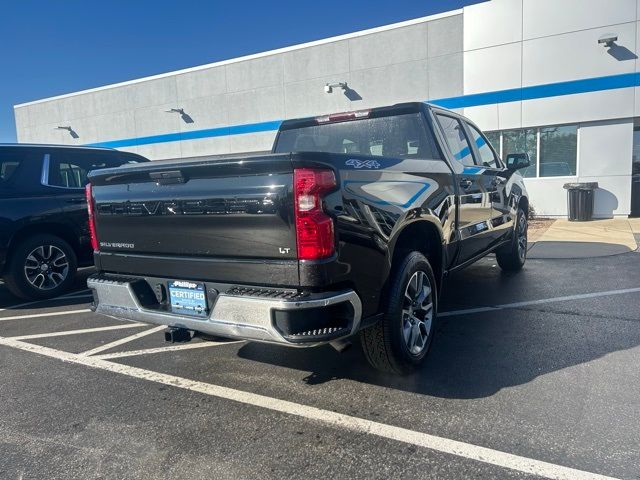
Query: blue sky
{"points": [[49, 47]]}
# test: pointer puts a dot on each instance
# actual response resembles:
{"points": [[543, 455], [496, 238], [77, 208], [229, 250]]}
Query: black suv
{"points": [[44, 236]]}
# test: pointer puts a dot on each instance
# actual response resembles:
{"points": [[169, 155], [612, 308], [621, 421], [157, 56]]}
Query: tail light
{"points": [[344, 116], [92, 219], [314, 228]]}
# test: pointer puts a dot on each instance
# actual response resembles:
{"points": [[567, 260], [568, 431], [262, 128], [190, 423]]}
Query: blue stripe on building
{"points": [[192, 135], [612, 82], [573, 87]]}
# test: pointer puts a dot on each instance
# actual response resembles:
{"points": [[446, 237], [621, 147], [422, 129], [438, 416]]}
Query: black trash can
{"points": [[635, 195], [580, 200]]}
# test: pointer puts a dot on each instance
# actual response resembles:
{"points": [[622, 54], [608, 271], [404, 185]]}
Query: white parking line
{"points": [[122, 341], [42, 315], [538, 302], [360, 425], [172, 348], [79, 332]]}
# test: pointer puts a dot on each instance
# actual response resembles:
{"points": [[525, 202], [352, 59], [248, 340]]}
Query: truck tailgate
{"points": [[210, 220]]}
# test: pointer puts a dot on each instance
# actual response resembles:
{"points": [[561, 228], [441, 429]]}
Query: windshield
{"points": [[402, 136]]}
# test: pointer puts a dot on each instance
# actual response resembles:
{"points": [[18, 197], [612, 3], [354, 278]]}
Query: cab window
{"points": [[456, 139], [395, 136], [487, 156]]}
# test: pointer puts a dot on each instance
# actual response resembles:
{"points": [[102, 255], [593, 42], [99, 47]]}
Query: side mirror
{"points": [[516, 161]]}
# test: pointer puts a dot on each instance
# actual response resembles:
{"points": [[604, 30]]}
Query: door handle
{"points": [[76, 200], [465, 183]]}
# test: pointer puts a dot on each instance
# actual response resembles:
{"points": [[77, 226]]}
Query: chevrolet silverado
{"points": [[350, 226]]}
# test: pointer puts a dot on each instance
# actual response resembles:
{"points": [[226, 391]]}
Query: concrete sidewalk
{"points": [[597, 238]]}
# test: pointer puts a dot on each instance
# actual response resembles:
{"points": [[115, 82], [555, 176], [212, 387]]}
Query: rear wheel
{"points": [[512, 256], [400, 342], [42, 266]]}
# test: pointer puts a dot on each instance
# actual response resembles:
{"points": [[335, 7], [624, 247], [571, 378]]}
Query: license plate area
{"points": [[188, 298]]}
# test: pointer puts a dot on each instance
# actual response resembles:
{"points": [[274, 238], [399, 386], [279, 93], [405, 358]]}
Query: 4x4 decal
{"points": [[362, 163]]}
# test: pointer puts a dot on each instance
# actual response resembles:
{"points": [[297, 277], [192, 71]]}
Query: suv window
{"points": [[70, 169], [9, 163], [402, 136], [487, 157], [456, 139]]}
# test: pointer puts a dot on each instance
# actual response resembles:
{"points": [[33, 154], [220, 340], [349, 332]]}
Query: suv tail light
{"points": [[314, 228], [92, 219]]}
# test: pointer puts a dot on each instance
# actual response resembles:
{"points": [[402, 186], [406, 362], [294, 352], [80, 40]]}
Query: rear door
{"points": [[474, 215], [23, 201]]}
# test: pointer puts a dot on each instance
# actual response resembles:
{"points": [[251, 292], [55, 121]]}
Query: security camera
{"points": [[328, 88], [608, 39]]}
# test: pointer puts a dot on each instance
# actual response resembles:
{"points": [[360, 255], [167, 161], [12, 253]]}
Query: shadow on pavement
{"points": [[8, 300], [475, 356], [472, 357], [553, 249]]}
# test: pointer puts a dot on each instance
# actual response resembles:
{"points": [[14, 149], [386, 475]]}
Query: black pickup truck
{"points": [[350, 226]]}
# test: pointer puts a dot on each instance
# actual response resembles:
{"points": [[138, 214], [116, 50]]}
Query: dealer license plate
{"points": [[188, 297]]}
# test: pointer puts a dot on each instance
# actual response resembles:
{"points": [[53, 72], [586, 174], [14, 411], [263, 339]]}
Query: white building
{"points": [[531, 72]]}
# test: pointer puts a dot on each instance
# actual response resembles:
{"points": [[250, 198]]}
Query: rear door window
{"points": [[70, 169], [9, 165]]}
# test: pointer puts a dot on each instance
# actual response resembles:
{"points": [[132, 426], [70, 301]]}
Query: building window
{"points": [[494, 140], [553, 150], [558, 151], [520, 141]]}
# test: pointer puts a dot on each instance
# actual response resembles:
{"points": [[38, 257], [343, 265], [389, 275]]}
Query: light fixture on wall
{"points": [[71, 131], [185, 116], [328, 88], [608, 40], [617, 51]]}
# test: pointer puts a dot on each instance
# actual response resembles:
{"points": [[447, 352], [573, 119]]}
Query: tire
{"points": [[40, 267], [391, 345], [513, 256]]}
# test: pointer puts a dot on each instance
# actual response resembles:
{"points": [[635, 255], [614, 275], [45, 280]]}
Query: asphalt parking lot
{"points": [[533, 375]]}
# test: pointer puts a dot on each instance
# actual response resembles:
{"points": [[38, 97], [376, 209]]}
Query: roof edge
{"points": [[53, 145]]}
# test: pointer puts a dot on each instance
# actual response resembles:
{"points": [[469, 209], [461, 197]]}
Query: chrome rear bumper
{"points": [[244, 316]]}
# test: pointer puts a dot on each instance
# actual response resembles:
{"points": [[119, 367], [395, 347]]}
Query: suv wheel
{"points": [[42, 266], [512, 256], [400, 341]]}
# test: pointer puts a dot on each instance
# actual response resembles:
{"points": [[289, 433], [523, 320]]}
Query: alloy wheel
{"points": [[46, 267], [417, 312], [522, 237]]}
